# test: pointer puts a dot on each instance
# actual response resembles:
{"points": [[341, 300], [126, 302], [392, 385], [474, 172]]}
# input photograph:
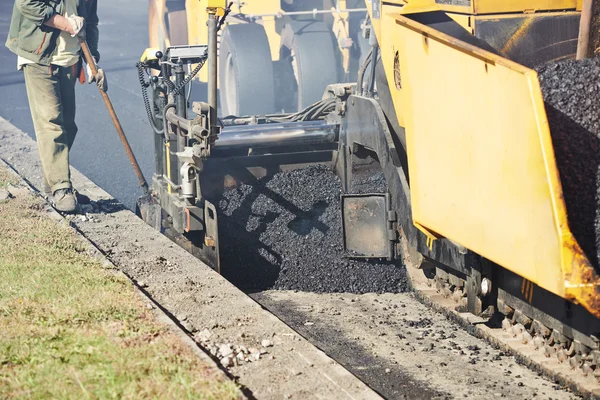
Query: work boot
{"points": [[81, 198], [46, 191], [64, 200]]}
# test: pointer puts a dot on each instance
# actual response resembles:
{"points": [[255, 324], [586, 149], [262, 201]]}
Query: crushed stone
{"points": [[286, 230], [571, 92]]}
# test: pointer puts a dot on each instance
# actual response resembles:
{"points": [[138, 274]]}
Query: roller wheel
{"points": [[167, 23], [311, 49], [246, 71]]}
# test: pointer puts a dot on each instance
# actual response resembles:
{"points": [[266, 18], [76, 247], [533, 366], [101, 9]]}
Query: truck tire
{"points": [[246, 71], [174, 19], [311, 49]]}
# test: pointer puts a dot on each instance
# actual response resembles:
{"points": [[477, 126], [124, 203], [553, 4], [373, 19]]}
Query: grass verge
{"points": [[6, 178], [71, 329]]}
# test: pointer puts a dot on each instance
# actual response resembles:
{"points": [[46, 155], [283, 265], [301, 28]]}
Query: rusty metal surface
{"points": [[531, 39], [365, 225], [211, 238], [149, 210]]}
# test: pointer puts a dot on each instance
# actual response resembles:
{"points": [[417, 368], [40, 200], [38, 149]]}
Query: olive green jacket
{"points": [[29, 38]]}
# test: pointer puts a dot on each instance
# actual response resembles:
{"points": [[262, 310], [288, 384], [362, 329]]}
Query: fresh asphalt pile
{"points": [[571, 91], [285, 232], [367, 176]]}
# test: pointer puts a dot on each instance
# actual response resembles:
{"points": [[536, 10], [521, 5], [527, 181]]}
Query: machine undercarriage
{"points": [[354, 127]]}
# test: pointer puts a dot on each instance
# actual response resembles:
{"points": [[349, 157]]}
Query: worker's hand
{"points": [[99, 78], [76, 26]]}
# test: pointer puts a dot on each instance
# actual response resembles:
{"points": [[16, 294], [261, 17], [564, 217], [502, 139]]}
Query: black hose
{"points": [[175, 90], [224, 17], [362, 70], [164, 70], [374, 59], [314, 112], [145, 85]]}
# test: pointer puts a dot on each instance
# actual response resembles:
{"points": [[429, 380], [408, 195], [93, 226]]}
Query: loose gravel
{"points": [[367, 176], [571, 91], [286, 232]]}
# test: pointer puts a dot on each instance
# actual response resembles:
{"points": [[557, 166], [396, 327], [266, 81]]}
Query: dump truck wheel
{"points": [[167, 23], [246, 71], [313, 53]]}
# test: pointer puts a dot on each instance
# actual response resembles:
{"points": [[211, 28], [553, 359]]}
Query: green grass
{"points": [[6, 177], [71, 329]]}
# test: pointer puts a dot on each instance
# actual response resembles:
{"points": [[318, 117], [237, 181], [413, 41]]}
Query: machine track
{"points": [[541, 334], [546, 351], [278, 205]]}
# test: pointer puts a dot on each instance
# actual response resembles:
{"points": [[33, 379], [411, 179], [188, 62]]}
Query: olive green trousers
{"points": [[51, 93]]}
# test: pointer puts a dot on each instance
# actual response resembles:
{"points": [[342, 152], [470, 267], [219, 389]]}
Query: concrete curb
{"points": [[297, 369]]}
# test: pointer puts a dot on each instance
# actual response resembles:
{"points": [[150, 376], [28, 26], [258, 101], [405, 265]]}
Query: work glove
{"points": [[99, 78], [77, 24]]}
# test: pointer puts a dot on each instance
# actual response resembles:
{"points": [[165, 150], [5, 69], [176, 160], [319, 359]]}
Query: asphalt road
{"points": [[97, 151]]}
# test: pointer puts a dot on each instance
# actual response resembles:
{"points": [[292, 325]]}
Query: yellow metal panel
{"points": [[390, 47], [149, 54], [495, 6], [216, 4], [273, 36], [468, 9], [481, 161], [198, 31], [490, 6], [196, 19], [463, 20]]}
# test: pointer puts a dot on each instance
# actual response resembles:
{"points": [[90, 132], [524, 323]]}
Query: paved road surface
{"points": [[97, 151]]}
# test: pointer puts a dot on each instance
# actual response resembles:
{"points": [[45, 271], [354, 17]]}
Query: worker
{"points": [[45, 36]]}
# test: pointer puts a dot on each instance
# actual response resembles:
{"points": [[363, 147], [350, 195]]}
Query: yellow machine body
{"points": [[198, 31], [196, 15], [487, 6], [481, 161], [267, 10], [149, 55]]}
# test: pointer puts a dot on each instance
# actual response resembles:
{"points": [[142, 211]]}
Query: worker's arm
{"points": [[38, 11], [92, 36], [91, 28], [61, 23]]}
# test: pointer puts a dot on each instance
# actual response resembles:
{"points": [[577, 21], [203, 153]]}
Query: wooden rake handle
{"points": [[113, 115]]}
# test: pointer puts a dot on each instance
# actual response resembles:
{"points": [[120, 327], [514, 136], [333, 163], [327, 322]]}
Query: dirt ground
{"points": [[383, 338]]}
